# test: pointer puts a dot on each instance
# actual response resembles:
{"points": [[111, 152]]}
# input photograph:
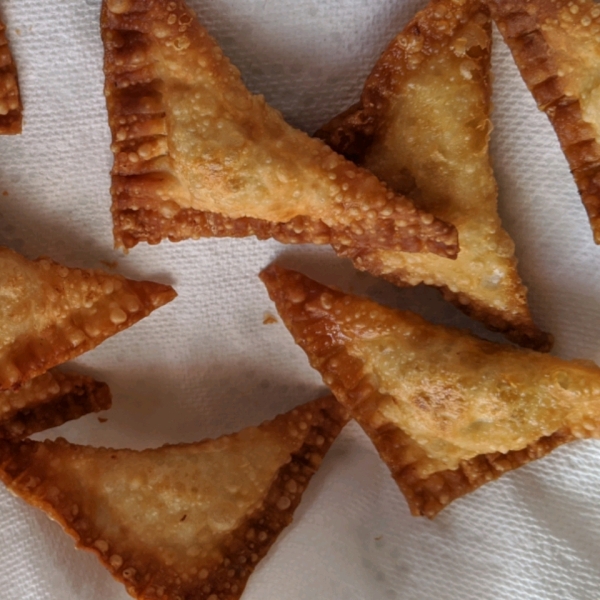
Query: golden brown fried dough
{"points": [[186, 521], [556, 45], [447, 411], [11, 116], [427, 496], [49, 401], [423, 126], [50, 313], [196, 154]]}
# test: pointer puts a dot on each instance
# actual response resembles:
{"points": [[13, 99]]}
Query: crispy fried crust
{"points": [[446, 411], [429, 495], [196, 154], [49, 401], [11, 117], [423, 126], [50, 313], [556, 47], [152, 517]]}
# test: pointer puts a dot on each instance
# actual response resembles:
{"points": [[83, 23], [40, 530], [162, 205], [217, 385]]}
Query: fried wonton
{"points": [[186, 521], [423, 126], [48, 401], [556, 45], [447, 411], [196, 154], [11, 116], [50, 313]]}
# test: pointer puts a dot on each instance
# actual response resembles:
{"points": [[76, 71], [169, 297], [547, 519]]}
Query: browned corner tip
{"points": [[103, 394], [166, 292], [525, 336], [159, 293], [538, 340], [521, 331], [83, 396], [270, 272], [271, 276], [276, 278], [287, 287]]}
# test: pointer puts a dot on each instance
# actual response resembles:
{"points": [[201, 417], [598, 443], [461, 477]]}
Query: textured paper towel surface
{"points": [[206, 365]]}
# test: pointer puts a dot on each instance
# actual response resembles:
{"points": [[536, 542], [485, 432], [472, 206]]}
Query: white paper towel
{"points": [[206, 364]]}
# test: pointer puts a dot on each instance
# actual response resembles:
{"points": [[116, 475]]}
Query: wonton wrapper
{"points": [[11, 116], [186, 521], [423, 126], [556, 45], [49, 401], [196, 154], [447, 411], [50, 313]]}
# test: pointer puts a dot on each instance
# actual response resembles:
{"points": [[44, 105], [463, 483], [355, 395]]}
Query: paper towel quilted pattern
{"points": [[206, 364]]}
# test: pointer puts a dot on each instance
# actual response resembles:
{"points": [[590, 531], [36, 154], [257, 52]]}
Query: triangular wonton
{"points": [[48, 401], [184, 521], [423, 126], [556, 45], [50, 313], [447, 411], [196, 154], [11, 116]]}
